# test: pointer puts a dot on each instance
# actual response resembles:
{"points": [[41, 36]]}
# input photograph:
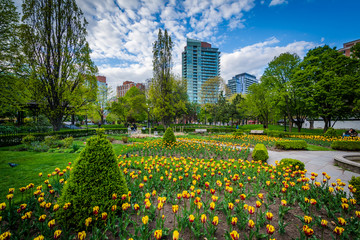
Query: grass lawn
{"points": [[30, 165], [317, 148]]}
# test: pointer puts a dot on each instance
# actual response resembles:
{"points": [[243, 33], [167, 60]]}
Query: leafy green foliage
{"points": [[292, 144], [346, 145], [61, 73], [28, 139], [355, 181], [293, 163], [38, 147], [67, 142], [94, 179], [331, 132], [327, 81], [260, 153], [169, 137], [53, 141], [238, 133]]}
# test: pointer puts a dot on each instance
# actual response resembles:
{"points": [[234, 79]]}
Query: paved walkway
{"points": [[317, 161]]}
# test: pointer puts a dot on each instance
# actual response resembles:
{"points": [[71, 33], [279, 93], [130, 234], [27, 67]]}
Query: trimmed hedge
{"points": [[282, 134], [292, 144], [238, 133], [294, 163], [11, 140], [346, 145], [93, 181], [260, 153], [331, 132]]}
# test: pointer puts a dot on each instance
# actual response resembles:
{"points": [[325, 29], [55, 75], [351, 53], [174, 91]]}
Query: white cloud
{"points": [[254, 58], [277, 2], [322, 39]]}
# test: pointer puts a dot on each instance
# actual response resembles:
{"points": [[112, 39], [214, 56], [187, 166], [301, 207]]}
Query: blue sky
{"points": [[249, 33]]}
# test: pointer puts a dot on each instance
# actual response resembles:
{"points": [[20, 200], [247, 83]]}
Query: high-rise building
{"points": [[121, 90], [199, 63], [241, 82], [347, 46], [102, 89]]}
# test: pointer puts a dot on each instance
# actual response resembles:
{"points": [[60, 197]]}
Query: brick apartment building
{"points": [[121, 90], [347, 46]]}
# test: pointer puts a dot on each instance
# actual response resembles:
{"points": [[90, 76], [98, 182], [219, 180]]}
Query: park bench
{"points": [[257, 132], [202, 130]]}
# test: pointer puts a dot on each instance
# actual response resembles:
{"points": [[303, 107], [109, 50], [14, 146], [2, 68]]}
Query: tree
{"points": [[161, 88], [62, 75], [137, 108], [13, 94], [259, 103], [180, 97], [236, 112], [211, 89], [101, 105], [328, 81], [120, 108], [278, 76]]}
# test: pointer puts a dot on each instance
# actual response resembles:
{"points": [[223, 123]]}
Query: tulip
{"points": [[57, 234], [307, 219], [82, 235], [203, 218], [234, 235], [269, 216], [234, 221], [145, 220], [51, 223], [270, 229], [158, 234], [215, 221], [339, 230], [88, 221], [42, 218], [176, 235], [191, 218], [175, 208], [342, 221], [308, 231], [251, 224]]}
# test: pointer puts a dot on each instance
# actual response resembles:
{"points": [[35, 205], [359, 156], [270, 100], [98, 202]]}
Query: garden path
{"points": [[318, 162]]}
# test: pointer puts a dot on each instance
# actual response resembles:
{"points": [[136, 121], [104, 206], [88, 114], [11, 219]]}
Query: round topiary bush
{"points": [[169, 137], [331, 132], [95, 177], [294, 163]]}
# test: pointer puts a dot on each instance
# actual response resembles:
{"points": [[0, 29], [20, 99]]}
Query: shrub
{"points": [[39, 147], [355, 181], [53, 141], [75, 147], [292, 144], [260, 153], [125, 139], [28, 139], [238, 133], [169, 137], [331, 132], [94, 179], [346, 145], [294, 163], [67, 142]]}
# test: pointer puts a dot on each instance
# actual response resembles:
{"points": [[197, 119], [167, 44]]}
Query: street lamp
{"points": [[148, 117], [205, 115]]}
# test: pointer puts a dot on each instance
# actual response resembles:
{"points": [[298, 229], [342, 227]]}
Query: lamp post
{"points": [[205, 115], [148, 118]]}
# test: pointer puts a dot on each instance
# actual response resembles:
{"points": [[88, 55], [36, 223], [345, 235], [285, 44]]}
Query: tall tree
{"points": [[277, 76], [329, 81], [13, 94], [259, 103], [137, 107], [53, 34], [161, 88]]}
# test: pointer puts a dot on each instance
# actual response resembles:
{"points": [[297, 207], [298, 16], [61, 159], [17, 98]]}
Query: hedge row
{"points": [[294, 163], [346, 145], [15, 139], [281, 134], [292, 144]]}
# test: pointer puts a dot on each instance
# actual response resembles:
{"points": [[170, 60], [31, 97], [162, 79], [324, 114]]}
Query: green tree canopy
{"points": [[328, 81], [62, 75]]}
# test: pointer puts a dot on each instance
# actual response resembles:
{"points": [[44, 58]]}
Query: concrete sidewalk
{"points": [[318, 162]]}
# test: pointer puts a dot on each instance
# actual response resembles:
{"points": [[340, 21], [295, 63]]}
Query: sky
{"points": [[248, 33]]}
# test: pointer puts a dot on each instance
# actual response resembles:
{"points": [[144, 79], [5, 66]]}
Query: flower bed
{"points": [[193, 198]]}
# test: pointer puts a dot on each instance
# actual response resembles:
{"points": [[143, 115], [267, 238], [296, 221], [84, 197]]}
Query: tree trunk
{"points": [[56, 123], [327, 122]]}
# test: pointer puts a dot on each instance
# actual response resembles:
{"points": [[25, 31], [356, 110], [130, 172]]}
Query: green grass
{"points": [[317, 148], [30, 165]]}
